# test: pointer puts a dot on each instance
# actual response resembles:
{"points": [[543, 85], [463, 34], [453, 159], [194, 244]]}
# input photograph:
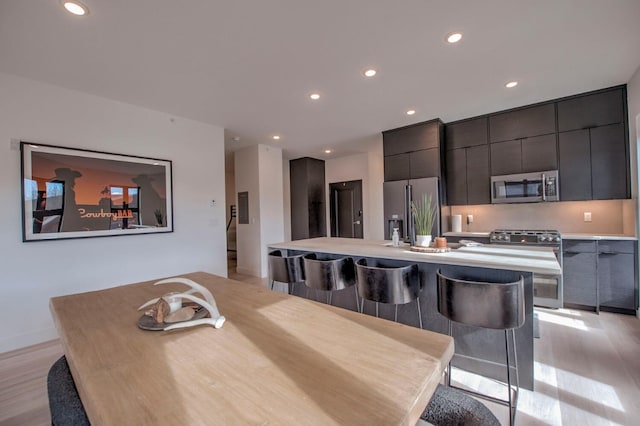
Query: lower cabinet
{"points": [[600, 274], [579, 273], [616, 275]]}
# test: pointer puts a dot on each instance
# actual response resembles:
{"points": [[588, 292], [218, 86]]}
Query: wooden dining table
{"points": [[278, 359]]}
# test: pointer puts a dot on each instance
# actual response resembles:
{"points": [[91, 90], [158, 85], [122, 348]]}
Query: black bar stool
{"points": [[393, 285], [323, 273], [285, 269], [64, 402], [493, 305]]}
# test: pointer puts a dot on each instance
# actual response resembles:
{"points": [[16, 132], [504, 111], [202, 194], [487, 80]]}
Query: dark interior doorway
{"points": [[346, 209]]}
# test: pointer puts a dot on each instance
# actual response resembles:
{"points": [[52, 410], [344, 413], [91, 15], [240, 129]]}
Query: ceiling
{"points": [[249, 66]]}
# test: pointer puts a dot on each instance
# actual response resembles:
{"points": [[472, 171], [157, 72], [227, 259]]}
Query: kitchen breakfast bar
{"points": [[479, 351]]}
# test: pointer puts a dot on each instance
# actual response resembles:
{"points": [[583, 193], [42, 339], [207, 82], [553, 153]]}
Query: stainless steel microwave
{"points": [[525, 187]]}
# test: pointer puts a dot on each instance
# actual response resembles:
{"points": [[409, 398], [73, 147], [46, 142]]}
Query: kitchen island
{"points": [[479, 351]]}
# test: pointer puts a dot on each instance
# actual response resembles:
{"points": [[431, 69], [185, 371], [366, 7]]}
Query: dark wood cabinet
{"points": [[574, 150], [468, 176], [425, 163], [308, 217], [579, 273], [412, 138], [609, 162], [396, 167], [616, 275], [594, 164], [523, 123], [539, 153], [456, 166], [413, 152], [593, 110], [506, 158], [600, 274], [478, 176], [464, 134], [533, 154]]}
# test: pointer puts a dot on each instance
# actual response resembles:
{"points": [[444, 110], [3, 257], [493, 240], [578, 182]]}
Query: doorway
{"points": [[346, 209]]}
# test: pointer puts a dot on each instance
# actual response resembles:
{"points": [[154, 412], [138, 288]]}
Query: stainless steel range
{"points": [[547, 289]]}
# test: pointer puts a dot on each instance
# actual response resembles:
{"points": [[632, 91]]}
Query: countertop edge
{"points": [[570, 236], [470, 256]]}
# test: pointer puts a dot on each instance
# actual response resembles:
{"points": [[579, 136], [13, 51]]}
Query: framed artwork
{"points": [[75, 193]]}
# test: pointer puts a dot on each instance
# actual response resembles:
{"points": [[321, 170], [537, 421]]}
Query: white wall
{"points": [[259, 171], [271, 202], [36, 271], [633, 101], [248, 235]]}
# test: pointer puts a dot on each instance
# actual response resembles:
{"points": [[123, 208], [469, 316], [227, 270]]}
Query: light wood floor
{"points": [[587, 370]]}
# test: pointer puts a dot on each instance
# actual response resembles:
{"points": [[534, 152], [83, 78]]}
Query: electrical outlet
{"points": [[469, 219], [587, 216]]}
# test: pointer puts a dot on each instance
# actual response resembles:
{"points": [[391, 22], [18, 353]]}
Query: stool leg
{"points": [[515, 363], [506, 345], [291, 287], [329, 297], [376, 309], [272, 282], [395, 315], [419, 312], [449, 367], [357, 299]]}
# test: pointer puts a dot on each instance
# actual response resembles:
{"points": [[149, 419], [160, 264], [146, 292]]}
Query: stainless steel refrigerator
{"points": [[397, 205]]}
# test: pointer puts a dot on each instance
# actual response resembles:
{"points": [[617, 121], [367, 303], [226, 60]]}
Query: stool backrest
{"points": [[481, 304], [328, 274], [285, 269], [388, 284]]}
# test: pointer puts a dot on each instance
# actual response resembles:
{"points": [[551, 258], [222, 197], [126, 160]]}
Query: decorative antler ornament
{"points": [[159, 310]]}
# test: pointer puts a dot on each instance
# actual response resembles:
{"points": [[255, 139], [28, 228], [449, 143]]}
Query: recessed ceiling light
{"points": [[454, 37], [327, 151], [411, 112], [314, 96], [370, 72], [511, 84], [75, 8], [276, 137]]}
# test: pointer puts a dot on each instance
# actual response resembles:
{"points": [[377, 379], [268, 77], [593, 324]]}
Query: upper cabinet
{"points": [[584, 137], [523, 140], [523, 123], [598, 109], [464, 134], [413, 152], [593, 146], [467, 162]]}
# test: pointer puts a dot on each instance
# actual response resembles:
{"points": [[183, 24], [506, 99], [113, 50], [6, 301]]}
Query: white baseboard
{"points": [[19, 341]]}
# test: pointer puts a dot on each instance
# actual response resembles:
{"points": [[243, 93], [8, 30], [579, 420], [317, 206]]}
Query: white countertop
{"points": [[565, 235], [621, 237], [467, 234], [539, 261]]}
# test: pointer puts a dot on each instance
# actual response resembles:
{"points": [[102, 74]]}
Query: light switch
{"points": [[469, 219]]}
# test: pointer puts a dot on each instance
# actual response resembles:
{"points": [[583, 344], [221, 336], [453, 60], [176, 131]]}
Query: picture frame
{"points": [[78, 193]]}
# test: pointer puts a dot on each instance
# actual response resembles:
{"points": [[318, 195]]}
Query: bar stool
{"points": [[65, 405], [493, 305], [285, 269], [388, 284], [451, 407], [323, 273]]}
